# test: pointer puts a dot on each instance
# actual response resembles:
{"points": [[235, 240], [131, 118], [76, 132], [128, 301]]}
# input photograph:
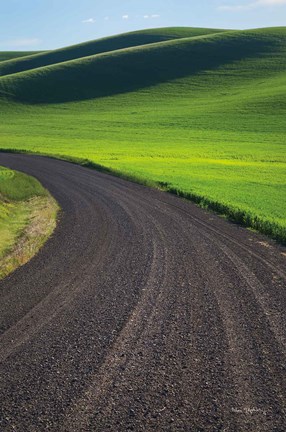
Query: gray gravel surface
{"points": [[141, 313]]}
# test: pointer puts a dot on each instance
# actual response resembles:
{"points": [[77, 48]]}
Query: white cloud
{"points": [[151, 16], [19, 43], [271, 2], [89, 21], [235, 8], [106, 18], [252, 5], [125, 17]]}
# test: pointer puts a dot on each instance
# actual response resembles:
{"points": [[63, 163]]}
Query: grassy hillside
{"points": [[202, 117], [130, 69], [107, 44], [10, 55]]}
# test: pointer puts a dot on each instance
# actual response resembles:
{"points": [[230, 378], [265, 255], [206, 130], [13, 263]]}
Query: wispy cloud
{"points": [[151, 16], [89, 21], [252, 5], [20, 43], [125, 17], [271, 2]]}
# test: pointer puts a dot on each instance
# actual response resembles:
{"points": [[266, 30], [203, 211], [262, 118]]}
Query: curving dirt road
{"points": [[141, 313]]}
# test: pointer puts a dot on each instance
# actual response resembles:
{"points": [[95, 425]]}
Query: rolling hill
{"points": [[198, 112], [125, 70], [10, 55], [112, 43]]}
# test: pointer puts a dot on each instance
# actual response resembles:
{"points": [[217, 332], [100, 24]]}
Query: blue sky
{"points": [[49, 24]]}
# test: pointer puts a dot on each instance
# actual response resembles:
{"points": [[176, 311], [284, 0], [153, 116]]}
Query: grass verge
{"points": [[28, 216], [248, 219], [237, 215]]}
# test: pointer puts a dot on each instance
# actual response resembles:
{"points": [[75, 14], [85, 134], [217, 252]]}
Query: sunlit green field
{"points": [[213, 132]]}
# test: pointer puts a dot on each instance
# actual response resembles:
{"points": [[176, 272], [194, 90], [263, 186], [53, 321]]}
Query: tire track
{"points": [[141, 313]]}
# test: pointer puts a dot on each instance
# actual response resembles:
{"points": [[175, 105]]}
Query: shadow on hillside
{"points": [[130, 70], [78, 51]]}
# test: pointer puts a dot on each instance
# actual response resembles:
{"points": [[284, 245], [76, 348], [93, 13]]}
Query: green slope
{"points": [[10, 55], [203, 117], [127, 70], [101, 45]]}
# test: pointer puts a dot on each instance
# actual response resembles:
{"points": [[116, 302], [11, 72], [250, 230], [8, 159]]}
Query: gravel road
{"points": [[141, 313]]}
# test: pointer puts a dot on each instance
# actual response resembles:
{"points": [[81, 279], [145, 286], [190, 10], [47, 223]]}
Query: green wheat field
{"points": [[197, 112]]}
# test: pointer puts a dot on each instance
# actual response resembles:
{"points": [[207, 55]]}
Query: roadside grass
{"points": [[17, 186], [27, 218], [215, 134]]}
